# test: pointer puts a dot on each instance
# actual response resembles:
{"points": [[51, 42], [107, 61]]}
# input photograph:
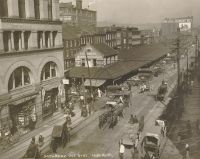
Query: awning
{"points": [[22, 100], [94, 83]]}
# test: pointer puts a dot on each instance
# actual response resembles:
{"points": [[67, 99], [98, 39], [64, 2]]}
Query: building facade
{"points": [[76, 15], [127, 38], [98, 55], [31, 61], [169, 26]]}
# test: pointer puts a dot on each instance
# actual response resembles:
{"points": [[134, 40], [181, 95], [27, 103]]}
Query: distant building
{"points": [[31, 61], [99, 55], [76, 15], [127, 38], [170, 26]]}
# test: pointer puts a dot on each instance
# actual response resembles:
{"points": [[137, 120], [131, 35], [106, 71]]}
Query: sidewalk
{"points": [[45, 129]]}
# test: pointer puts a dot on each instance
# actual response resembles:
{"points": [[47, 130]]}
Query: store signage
{"points": [[23, 100], [65, 81]]}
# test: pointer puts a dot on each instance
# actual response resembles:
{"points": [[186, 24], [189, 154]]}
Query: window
{"points": [[6, 40], [50, 9], [83, 62], [17, 37], [22, 10], [49, 71], [39, 39], [47, 39], [67, 44], [94, 62], [20, 77], [54, 38], [3, 8], [37, 9], [26, 39]]}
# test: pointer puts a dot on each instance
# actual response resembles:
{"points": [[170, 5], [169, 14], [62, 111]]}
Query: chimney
{"points": [[79, 4]]}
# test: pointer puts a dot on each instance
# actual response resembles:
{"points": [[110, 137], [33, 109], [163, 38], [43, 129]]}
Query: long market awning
{"points": [[94, 82]]}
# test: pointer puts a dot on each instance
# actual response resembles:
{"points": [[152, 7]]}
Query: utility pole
{"points": [[187, 66], [89, 73], [196, 51], [178, 64]]}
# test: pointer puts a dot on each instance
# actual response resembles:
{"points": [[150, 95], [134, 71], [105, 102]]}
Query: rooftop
{"points": [[129, 61], [105, 49]]}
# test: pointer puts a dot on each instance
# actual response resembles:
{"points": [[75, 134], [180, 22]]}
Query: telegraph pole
{"points": [[88, 72], [178, 64]]}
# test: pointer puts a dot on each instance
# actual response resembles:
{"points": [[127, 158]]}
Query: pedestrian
{"points": [[32, 151], [197, 126], [54, 145], [187, 150], [121, 151], [99, 93], [136, 143], [189, 128], [88, 107], [82, 99], [121, 100]]}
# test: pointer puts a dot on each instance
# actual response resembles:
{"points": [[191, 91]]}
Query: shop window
{"points": [[3, 8], [94, 62], [37, 9], [49, 71], [22, 10], [20, 77], [83, 62]]}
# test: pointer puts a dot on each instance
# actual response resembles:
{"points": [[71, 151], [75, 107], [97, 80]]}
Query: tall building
{"points": [[127, 38], [31, 61], [76, 15], [169, 26]]}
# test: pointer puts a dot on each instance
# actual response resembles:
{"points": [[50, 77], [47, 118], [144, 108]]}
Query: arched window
{"points": [[20, 77], [49, 71]]}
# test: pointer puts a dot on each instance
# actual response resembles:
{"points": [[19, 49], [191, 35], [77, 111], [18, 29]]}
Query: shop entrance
{"points": [[22, 116], [50, 104]]}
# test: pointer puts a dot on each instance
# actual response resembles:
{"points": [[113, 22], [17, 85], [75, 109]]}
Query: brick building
{"points": [[31, 61], [127, 38], [76, 15]]}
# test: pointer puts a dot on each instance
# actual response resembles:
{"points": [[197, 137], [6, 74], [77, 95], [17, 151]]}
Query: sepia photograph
{"points": [[99, 79]]}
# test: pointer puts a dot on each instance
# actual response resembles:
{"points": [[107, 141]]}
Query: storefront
{"points": [[23, 114], [50, 102]]}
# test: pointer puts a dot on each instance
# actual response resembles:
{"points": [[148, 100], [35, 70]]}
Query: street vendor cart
{"points": [[59, 135], [162, 90], [151, 143], [131, 134]]}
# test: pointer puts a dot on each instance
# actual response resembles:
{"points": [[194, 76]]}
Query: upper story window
{"points": [[26, 39], [47, 39], [40, 39], [17, 37], [20, 77], [22, 9], [6, 40], [54, 34], [3, 8], [50, 9], [37, 9], [49, 71]]}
